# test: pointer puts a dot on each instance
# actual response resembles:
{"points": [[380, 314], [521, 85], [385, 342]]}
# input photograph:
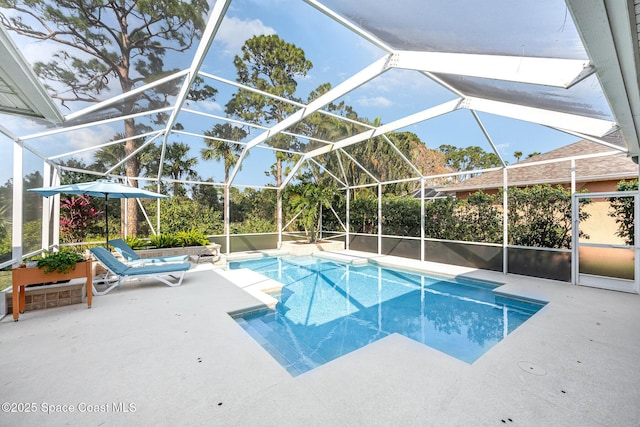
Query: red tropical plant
{"points": [[77, 216]]}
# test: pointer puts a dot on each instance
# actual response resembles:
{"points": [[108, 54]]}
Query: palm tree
{"points": [[517, 155], [220, 147], [307, 199], [178, 166], [108, 156]]}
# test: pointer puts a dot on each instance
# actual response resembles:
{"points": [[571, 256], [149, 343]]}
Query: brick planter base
{"points": [[209, 253], [49, 296]]}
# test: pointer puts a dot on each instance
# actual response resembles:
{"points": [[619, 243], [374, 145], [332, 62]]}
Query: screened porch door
{"points": [[602, 257]]}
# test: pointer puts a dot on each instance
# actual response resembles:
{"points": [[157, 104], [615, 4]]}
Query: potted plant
{"points": [[60, 262]]}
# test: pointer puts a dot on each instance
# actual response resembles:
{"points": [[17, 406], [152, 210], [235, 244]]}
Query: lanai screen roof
{"points": [[568, 66]]}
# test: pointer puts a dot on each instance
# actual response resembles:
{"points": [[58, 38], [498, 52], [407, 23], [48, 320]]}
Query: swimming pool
{"points": [[327, 309]]}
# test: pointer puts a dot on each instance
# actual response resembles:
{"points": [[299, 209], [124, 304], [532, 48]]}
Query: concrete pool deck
{"points": [[148, 354]]}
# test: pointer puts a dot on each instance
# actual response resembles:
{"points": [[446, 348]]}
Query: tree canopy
{"points": [[104, 42], [468, 159]]}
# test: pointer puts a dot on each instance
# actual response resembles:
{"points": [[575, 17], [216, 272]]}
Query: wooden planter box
{"points": [[209, 253], [24, 277]]}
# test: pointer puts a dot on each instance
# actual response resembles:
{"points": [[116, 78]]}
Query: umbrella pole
{"points": [[106, 217]]}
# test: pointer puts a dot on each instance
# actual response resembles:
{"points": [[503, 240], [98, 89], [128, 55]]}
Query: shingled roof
{"points": [[605, 168]]}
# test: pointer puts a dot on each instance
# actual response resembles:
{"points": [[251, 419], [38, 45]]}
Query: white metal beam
{"points": [[279, 98], [358, 79], [6, 132], [327, 171], [47, 207], [57, 131], [596, 140], [123, 96], [23, 84], [543, 71], [402, 156], [215, 20], [421, 116], [31, 149], [55, 208], [223, 119], [294, 171], [488, 137], [555, 119], [16, 206], [249, 88], [362, 168], [99, 146], [609, 33], [135, 152], [350, 25]]}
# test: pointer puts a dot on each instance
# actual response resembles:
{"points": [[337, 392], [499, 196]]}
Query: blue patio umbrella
{"points": [[100, 188]]}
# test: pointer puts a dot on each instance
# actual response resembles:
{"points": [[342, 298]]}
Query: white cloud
{"points": [[210, 106], [53, 145], [234, 32], [35, 51], [22, 125], [397, 80], [81, 139], [373, 101]]}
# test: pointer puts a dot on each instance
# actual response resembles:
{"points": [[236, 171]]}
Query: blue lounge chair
{"points": [[132, 258], [123, 271]]}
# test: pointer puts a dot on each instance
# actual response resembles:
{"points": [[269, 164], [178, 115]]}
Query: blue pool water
{"points": [[328, 309]]}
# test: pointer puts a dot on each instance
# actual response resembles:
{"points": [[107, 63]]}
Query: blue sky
{"points": [[336, 54]]}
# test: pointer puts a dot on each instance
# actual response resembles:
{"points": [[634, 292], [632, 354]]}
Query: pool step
{"points": [[273, 351], [263, 339], [297, 358]]}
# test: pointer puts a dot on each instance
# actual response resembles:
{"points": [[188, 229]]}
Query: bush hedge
{"points": [[539, 216]]}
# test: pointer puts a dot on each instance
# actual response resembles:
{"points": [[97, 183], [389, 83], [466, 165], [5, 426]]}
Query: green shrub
{"points": [[440, 221], [183, 214], [481, 218], [401, 216], [136, 242], [180, 239], [540, 216], [5, 279], [622, 209], [253, 224], [62, 261], [31, 236], [164, 240], [364, 215], [192, 237]]}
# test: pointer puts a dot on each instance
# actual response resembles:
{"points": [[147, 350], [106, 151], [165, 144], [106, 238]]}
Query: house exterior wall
{"points": [[600, 227], [590, 186]]}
